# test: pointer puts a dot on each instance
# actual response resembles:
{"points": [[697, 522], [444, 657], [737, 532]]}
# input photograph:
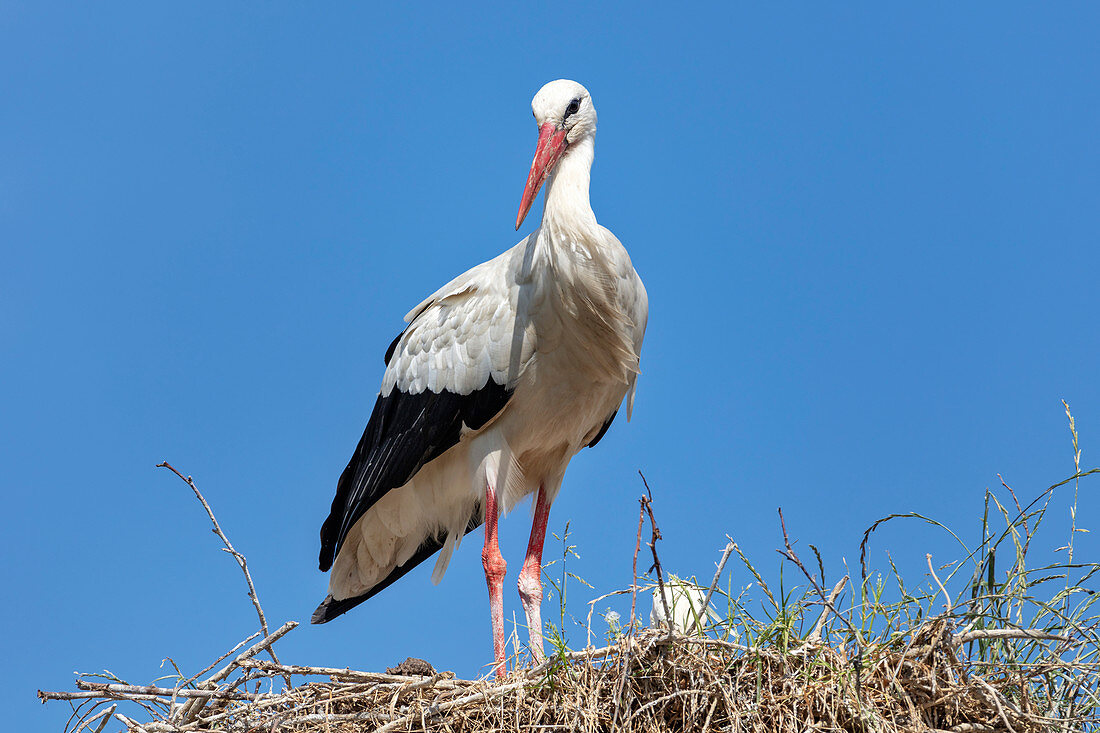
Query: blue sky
{"points": [[869, 236]]}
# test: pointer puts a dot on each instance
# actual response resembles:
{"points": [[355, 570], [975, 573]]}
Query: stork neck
{"points": [[567, 205]]}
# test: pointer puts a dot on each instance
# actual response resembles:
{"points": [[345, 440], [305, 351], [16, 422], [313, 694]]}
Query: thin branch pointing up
{"points": [[230, 549]]}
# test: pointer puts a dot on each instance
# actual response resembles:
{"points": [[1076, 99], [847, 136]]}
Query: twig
{"points": [[815, 635], [345, 675], [341, 717], [997, 702], [720, 644], [969, 636], [232, 551], [130, 723], [105, 714], [261, 645], [95, 695], [228, 546], [647, 504], [713, 584], [620, 684], [191, 710], [213, 664], [105, 689]]}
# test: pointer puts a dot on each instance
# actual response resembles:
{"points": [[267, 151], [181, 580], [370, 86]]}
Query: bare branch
{"points": [[104, 689], [228, 546], [191, 710], [215, 663], [647, 504], [345, 675], [969, 636], [106, 716], [815, 635]]}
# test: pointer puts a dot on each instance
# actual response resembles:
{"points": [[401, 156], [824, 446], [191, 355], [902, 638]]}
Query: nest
{"points": [[651, 681], [874, 667]]}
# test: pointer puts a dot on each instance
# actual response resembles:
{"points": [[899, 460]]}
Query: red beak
{"points": [[551, 145]]}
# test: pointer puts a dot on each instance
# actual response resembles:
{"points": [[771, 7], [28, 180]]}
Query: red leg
{"points": [[495, 568], [530, 577]]}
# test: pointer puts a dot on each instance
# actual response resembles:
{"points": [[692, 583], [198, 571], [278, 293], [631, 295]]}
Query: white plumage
{"points": [[685, 605], [501, 376]]}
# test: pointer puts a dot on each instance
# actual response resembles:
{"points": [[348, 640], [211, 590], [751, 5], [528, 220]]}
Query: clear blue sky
{"points": [[869, 237]]}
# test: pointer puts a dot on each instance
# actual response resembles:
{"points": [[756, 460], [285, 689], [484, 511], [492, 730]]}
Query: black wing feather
{"points": [[405, 431], [393, 346], [603, 430], [330, 608]]}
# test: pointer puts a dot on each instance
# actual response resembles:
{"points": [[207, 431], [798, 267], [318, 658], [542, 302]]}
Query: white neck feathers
{"points": [[567, 208]]}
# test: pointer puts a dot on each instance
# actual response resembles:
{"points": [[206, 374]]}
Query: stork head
{"points": [[565, 115]]}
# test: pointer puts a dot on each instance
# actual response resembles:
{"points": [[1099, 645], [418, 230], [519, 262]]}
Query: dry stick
{"points": [[620, 685], [98, 695], [236, 555], [111, 690], [105, 714], [77, 713], [706, 723], [159, 727], [130, 723], [228, 546], [713, 584], [106, 719], [213, 664], [189, 711], [723, 644], [997, 702], [647, 504], [341, 717], [345, 674], [489, 694], [969, 636], [815, 635]]}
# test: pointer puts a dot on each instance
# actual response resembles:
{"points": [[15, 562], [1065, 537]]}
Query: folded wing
{"points": [[451, 371]]}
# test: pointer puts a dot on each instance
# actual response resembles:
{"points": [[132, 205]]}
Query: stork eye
{"points": [[573, 107]]}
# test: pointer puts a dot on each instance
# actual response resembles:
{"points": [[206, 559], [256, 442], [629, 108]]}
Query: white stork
{"points": [[501, 376]]}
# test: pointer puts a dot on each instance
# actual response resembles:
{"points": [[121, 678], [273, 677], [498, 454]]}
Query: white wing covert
{"points": [[465, 334]]}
